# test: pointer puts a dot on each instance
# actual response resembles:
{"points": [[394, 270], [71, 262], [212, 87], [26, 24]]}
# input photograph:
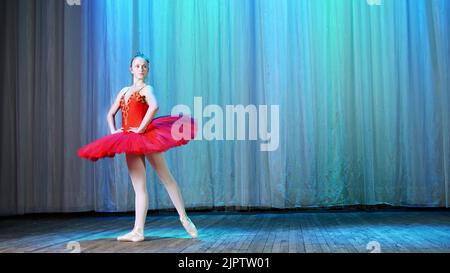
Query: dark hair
{"points": [[139, 55]]}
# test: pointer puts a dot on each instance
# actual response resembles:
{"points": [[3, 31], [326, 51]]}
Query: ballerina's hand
{"points": [[117, 131], [135, 130]]}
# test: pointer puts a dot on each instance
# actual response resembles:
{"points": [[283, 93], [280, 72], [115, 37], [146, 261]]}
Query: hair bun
{"points": [[140, 55]]}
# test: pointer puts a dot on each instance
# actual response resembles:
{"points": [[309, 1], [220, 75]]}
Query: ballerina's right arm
{"points": [[112, 113]]}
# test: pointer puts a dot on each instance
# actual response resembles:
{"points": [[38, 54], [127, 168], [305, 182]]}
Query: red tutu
{"points": [[158, 138], [161, 134]]}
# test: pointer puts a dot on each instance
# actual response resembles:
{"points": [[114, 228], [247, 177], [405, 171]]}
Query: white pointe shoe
{"points": [[136, 235], [189, 226]]}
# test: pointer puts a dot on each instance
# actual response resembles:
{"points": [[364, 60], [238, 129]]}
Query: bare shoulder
{"points": [[148, 90], [123, 90], [150, 98]]}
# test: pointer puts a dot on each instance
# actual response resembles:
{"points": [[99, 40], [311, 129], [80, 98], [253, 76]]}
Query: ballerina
{"points": [[143, 136]]}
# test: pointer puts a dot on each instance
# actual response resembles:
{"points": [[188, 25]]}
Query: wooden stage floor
{"points": [[233, 232]]}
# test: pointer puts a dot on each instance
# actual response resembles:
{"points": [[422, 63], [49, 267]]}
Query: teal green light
{"points": [[362, 91]]}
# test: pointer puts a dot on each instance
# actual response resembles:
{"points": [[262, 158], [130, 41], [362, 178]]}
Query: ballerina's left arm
{"points": [[153, 107]]}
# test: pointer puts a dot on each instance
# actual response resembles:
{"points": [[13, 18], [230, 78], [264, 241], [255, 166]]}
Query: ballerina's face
{"points": [[139, 68]]}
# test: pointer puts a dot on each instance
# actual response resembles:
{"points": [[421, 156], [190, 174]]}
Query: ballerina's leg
{"points": [[158, 162], [136, 169]]}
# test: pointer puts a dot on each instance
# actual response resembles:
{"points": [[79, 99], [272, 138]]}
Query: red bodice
{"points": [[158, 137], [133, 111]]}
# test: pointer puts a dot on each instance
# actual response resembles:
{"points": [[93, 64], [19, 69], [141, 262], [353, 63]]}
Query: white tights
{"points": [[136, 169]]}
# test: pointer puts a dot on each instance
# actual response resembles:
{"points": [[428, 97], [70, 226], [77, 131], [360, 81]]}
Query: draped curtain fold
{"points": [[362, 90]]}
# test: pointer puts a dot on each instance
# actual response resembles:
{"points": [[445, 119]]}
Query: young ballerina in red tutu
{"points": [[140, 137]]}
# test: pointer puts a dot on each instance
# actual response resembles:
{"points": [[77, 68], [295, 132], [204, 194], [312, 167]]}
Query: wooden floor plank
{"points": [[234, 232]]}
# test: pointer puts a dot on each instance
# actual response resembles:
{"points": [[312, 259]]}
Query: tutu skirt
{"points": [[162, 134]]}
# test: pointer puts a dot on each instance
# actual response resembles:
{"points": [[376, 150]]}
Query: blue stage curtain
{"points": [[363, 93]]}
